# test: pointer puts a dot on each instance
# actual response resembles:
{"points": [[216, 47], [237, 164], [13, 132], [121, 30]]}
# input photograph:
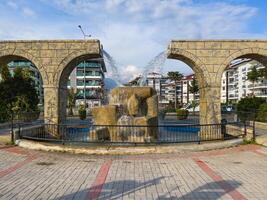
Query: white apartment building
{"points": [[165, 88], [87, 79], [188, 97], [235, 84]]}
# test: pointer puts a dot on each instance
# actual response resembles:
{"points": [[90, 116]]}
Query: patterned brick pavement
{"points": [[234, 173]]}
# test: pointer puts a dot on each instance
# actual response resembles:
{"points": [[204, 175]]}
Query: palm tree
{"points": [[253, 76], [193, 88], [175, 76]]}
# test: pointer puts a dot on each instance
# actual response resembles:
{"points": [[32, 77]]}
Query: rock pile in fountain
{"points": [[132, 115]]}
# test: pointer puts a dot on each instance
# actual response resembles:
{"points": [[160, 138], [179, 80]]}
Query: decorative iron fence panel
{"points": [[123, 134]]}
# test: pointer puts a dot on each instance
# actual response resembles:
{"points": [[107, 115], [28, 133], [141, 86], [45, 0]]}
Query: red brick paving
{"points": [[96, 187], [223, 184]]}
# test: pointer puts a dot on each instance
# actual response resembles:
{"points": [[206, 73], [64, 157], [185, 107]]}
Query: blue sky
{"points": [[134, 31]]}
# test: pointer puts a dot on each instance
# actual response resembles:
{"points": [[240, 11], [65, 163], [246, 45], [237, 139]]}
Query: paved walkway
{"points": [[234, 173]]}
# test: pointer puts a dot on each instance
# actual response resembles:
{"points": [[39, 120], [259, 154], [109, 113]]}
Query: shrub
{"points": [[182, 114], [247, 107], [82, 112], [262, 113], [162, 114]]}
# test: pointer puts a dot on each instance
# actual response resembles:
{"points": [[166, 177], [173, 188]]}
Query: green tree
{"points": [[193, 88], [176, 77], [262, 113], [5, 73], [71, 100], [248, 107], [18, 94], [253, 76]]}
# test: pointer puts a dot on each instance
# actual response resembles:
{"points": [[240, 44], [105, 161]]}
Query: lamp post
{"points": [[84, 35], [84, 71]]}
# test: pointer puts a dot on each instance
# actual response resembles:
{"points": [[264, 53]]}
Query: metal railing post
{"points": [[254, 131], [245, 128], [12, 129]]}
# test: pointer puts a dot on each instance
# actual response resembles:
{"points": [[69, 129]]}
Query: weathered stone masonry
{"points": [[209, 59], [55, 59]]}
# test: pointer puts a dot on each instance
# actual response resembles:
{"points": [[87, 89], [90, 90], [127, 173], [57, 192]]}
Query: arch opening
{"points": [[197, 67], [244, 77], [81, 83], [27, 103]]}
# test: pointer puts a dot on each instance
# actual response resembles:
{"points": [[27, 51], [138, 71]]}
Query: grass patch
{"points": [[245, 141], [5, 139]]}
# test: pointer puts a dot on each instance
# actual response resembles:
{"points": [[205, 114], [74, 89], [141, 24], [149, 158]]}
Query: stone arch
{"points": [[255, 53], [66, 66], [192, 61], [11, 53], [208, 89]]}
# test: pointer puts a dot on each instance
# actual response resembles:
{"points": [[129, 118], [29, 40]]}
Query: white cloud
{"points": [[28, 12], [12, 4], [129, 72], [134, 31]]}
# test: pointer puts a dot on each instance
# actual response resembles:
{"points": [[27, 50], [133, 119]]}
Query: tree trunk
{"points": [[194, 102], [175, 96], [253, 88]]}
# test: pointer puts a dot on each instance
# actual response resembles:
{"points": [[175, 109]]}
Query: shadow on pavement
{"points": [[118, 189]]}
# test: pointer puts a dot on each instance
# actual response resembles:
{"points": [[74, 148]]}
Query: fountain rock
{"points": [[133, 105], [133, 109]]}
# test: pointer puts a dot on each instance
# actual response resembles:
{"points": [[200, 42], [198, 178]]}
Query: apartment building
{"points": [[87, 79], [188, 96], [235, 84]]}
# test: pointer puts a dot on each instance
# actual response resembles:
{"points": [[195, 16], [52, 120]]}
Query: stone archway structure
{"points": [[55, 60], [209, 59]]}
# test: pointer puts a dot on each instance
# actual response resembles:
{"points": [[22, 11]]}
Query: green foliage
{"points": [[182, 114], [5, 74], [262, 113], [247, 107], [253, 76], [246, 141], [162, 114], [82, 112], [71, 100], [194, 104], [175, 76], [193, 87], [17, 94]]}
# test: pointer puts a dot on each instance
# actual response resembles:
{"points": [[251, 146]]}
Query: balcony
{"points": [[89, 65], [258, 85]]}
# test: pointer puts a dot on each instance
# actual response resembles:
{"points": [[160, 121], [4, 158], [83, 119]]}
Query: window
{"points": [[80, 83]]}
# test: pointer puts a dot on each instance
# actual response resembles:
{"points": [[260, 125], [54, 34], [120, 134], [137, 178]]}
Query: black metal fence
{"points": [[170, 130], [69, 134]]}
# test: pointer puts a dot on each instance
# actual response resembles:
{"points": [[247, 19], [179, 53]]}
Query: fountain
{"points": [[155, 65], [113, 67], [130, 116]]}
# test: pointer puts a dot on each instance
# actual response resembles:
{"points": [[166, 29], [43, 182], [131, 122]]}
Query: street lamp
{"points": [[84, 71], [84, 35]]}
